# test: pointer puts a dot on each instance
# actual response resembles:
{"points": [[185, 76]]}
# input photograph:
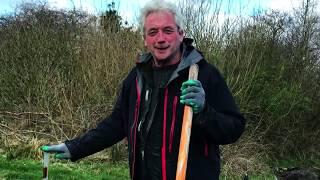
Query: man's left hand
{"points": [[192, 94]]}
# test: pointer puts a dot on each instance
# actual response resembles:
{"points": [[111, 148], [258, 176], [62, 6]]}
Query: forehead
{"points": [[159, 19]]}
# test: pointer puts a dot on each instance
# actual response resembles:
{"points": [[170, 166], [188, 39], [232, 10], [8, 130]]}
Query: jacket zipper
{"points": [[146, 99], [173, 121]]}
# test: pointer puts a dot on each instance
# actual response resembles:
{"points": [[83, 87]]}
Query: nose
{"points": [[160, 37]]}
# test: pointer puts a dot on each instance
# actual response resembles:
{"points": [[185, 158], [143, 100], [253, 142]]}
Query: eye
{"points": [[168, 30], [152, 32]]}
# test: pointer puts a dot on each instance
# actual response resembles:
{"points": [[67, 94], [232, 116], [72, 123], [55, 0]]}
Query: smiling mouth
{"points": [[162, 48]]}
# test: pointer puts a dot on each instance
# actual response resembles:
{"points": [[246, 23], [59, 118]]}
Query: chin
{"points": [[161, 58]]}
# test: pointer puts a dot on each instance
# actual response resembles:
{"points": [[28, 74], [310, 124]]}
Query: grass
{"points": [[28, 168], [279, 167], [32, 169]]}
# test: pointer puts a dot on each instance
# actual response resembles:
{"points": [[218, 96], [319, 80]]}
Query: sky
{"points": [[128, 9]]}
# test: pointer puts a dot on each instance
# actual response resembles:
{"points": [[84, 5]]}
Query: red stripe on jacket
{"points": [[163, 149], [134, 128], [173, 119]]}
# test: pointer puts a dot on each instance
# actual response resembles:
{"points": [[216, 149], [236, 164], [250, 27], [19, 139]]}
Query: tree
{"points": [[111, 20]]}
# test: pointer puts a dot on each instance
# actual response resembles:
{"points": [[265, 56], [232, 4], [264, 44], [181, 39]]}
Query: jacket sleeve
{"points": [[220, 118], [108, 132]]}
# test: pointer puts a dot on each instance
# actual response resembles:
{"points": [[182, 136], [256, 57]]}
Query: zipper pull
{"points": [[142, 154], [147, 95], [139, 126]]}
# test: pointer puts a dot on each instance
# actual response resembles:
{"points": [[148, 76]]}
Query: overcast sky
{"points": [[129, 8]]}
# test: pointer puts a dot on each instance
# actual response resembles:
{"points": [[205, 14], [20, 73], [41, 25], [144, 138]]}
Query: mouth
{"points": [[162, 48]]}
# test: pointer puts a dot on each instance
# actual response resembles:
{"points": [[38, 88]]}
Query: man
{"points": [[149, 109]]}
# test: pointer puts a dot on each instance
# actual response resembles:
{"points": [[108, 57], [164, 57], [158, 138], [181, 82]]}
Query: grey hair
{"points": [[160, 5]]}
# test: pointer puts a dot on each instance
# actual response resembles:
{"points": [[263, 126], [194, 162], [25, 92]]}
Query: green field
{"points": [[88, 169], [32, 169]]}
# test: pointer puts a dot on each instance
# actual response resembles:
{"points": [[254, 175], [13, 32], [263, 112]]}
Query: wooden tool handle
{"points": [[186, 132]]}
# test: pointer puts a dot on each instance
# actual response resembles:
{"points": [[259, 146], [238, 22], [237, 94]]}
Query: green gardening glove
{"points": [[193, 95], [61, 151]]}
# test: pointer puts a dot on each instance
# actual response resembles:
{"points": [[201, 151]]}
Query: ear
{"points": [[144, 39], [181, 34], [145, 42]]}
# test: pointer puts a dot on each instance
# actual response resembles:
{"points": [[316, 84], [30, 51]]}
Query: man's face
{"points": [[163, 38]]}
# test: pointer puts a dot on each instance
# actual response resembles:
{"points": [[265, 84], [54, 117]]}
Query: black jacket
{"points": [[219, 123]]}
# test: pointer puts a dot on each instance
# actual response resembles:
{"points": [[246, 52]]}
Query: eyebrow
{"points": [[166, 27]]}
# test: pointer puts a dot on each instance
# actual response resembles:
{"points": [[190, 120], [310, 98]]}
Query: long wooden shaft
{"points": [[186, 132]]}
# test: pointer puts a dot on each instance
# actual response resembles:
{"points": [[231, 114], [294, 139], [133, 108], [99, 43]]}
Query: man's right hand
{"points": [[61, 150]]}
